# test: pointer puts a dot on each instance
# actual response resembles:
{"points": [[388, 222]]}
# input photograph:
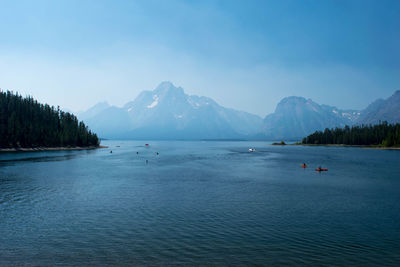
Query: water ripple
{"points": [[200, 204]]}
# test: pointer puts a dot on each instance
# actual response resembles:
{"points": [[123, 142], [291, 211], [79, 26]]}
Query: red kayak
{"points": [[321, 170], [304, 166]]}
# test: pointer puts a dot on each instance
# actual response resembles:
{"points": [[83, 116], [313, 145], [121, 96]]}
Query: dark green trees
{"points": [[381, 134], [26, 123]]}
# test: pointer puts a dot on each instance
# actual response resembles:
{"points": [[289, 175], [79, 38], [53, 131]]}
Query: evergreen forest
{"points": [[25, 123], [383, 134]]}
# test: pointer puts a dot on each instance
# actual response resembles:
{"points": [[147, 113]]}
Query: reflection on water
{"points": [[200, 203], [41, 156], [38, 159]]}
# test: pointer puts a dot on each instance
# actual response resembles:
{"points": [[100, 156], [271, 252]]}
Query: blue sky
{"points": [[245, 54]]}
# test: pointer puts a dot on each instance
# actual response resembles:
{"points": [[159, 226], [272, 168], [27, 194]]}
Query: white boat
{"points": [[252, 149]]}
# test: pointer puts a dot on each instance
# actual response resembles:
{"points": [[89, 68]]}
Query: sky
{"points": [[246, 55]]}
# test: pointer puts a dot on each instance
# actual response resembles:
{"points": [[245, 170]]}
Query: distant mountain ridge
{"points": [[382, 110], [168, 113], [296, 117]]}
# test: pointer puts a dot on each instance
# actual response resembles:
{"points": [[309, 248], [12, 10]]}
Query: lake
{"points": [[200, 203]]}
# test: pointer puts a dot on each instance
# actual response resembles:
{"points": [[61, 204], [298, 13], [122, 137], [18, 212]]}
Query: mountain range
{"points": [[296, 117], [382, 110], [168, 113]]}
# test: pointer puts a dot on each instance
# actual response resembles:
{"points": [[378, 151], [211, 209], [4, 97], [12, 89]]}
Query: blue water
{"points": [[200, 203]]}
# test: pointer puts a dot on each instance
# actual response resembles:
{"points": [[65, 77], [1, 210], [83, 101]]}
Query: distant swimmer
{"points": [[137, 152], [111, 151], [157, 153], [147, 161]]}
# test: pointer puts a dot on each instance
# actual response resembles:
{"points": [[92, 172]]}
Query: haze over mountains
{"points": [[168, 113], [296, 117], [382, 110]]}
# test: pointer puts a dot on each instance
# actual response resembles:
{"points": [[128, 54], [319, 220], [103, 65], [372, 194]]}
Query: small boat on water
{"points": [[321, 170], [252, 149], [147, 145], [304, 166]]}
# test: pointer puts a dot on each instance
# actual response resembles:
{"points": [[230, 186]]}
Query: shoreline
{"points": [[37, 149], [360, 146]]}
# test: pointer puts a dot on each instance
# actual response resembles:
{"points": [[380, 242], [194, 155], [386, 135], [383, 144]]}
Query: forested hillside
{"points": [[26, 123], [381, 134]]}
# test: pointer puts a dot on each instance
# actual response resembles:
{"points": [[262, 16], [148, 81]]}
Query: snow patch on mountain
{"points": [[296, 117], [155, 102], [168, 113], [193, 103]]}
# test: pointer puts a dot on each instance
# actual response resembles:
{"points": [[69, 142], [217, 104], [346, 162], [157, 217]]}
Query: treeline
{"points": [[26, 123], [383, 134]]}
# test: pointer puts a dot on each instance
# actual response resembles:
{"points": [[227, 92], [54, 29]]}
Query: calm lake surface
{"points": [[200, 203]]}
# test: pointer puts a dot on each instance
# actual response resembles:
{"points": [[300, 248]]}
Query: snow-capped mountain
{"points": [[168, 113], [296, 117]]}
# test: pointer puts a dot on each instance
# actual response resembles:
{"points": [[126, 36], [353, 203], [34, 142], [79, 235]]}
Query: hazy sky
{"points": [[245, 54]]}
